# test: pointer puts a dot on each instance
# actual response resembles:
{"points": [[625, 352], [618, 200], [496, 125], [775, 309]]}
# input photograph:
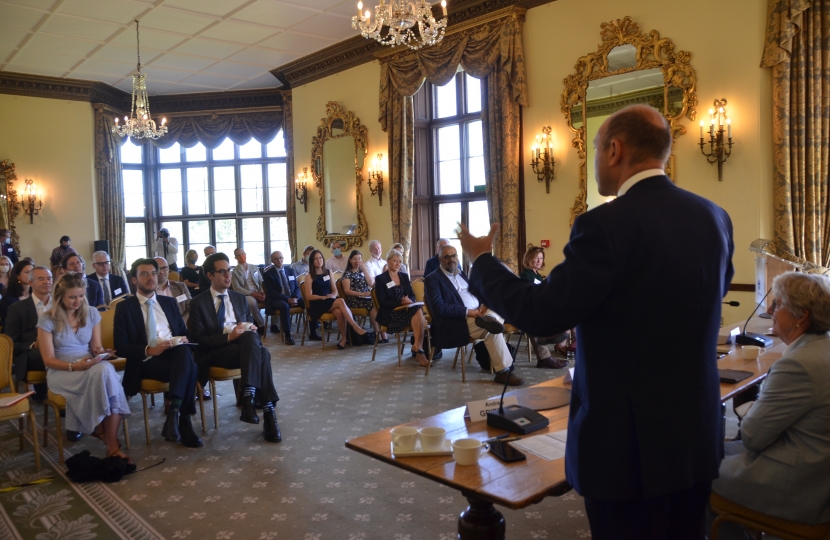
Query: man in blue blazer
{"points": [[74, 264], [112, 286], [143, 330], [282, 292], [644, 432], [433, 263]]}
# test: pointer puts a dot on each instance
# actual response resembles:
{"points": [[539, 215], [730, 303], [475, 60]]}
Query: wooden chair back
{"points": [[6, 361], [174, 276], [108, 329]]}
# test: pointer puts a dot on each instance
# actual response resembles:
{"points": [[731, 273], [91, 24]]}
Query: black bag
{"points": [[84, 467], [483, 357], [366, 339]]}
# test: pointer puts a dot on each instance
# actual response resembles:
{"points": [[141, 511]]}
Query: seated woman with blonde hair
{"points": [[69, 339]]}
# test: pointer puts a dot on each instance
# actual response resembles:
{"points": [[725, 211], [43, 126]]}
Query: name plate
{"points": [[479, 409], [569, 376]]}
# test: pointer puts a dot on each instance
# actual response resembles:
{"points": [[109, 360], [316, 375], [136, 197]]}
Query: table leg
{"points": [[480, 521]]}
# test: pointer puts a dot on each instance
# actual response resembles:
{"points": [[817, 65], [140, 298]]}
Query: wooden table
{"points": [[518, 485]]}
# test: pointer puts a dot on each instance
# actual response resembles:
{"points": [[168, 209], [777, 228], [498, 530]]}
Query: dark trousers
{"points": [[248, 354], [177, 367], [284, 307], [31, 361], [677, 516]]}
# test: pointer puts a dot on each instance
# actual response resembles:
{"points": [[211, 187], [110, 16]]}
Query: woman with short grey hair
{"points": [[394, 290], [780, 465]]}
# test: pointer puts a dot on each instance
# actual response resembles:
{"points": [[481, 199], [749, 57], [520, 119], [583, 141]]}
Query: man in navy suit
{"points": [[73, 263], [644, 432], [144, 327], [282, 292], [112, 286]]}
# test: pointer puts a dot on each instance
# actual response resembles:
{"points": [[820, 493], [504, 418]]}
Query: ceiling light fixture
{"points": [[399, 17]]}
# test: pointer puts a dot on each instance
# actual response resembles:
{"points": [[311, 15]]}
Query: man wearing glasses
{"points": [[113, 286]]}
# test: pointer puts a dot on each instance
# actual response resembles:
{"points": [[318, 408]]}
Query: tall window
{"points": [[449, 165], [231, 196]]}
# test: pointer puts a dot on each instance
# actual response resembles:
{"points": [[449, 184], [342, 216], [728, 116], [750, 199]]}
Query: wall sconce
{"points": [[718, 150], [31, 200], [376, 174], [541, 158], [301, 189]]}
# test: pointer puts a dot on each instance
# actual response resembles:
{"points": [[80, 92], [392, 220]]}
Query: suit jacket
{"points": [[432, 265], [94, 292], [177, 290], [784, 470], [654, 263], [449, 314], [9, 251], [240, 284], [21, 326], [204, 326], [117, 283], [386, 299], [273, 287], [130, 336]]}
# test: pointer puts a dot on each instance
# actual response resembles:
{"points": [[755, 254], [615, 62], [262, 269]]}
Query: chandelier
{"points": [[140, 124], [400, 17]]}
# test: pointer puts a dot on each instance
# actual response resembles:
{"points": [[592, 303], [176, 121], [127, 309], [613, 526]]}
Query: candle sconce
{"points": [[541, 158], [301, 189], [376, 174], [719, 150], [31, 200]]}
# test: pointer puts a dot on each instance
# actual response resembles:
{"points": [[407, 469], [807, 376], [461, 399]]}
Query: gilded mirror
{"points": [[628, 67], [338, 152], [8, 201]]}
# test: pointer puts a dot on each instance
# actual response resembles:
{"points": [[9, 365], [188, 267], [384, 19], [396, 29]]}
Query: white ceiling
{"points": [[186, 45]]}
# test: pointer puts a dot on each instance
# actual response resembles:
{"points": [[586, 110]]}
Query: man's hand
{"points": [[475, 246], [160, 347], [237, 331], [476, 312], [260, 296], [292, 301]]}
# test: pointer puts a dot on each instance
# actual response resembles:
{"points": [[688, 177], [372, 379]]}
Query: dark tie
{"points": [[220, 315], [284, 281], [106, 286]]}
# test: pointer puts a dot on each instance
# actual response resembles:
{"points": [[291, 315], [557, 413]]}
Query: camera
{"points": [[164, 234]]}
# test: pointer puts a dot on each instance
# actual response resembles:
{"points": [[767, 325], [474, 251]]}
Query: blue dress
{"points": [[320, 287], [92, 394]]}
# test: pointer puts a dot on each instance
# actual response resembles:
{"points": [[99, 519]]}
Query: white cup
{"points": [[432, 438], [404, 438], [752, 352], [248, 326], [468, 451], [177, 340]]}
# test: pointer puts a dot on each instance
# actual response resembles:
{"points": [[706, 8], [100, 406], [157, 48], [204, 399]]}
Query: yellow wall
{"points": [[51, 141]]}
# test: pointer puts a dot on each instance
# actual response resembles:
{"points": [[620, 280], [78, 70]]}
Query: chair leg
{"points": [[201, 395], [431, 352], [215, 405], [375, 349], [126, 433], [398, 338], [455, 358], [20, 431], [45, 422], [146, 419], [305, 329], [152, 401], [34, 437], [59, 435], [463, 372]]}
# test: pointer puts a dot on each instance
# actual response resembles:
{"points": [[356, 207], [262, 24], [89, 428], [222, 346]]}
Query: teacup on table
{"points": [[432, 438], [404, 438], [752, 352], [468, 451]]}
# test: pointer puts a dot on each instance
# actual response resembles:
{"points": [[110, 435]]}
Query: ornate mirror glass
{"points": [[8, 201], [629, 67], [338, 152]]}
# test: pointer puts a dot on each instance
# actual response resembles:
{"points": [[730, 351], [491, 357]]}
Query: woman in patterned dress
{"points": [[69, 338], [357, 287], [394, 290]]}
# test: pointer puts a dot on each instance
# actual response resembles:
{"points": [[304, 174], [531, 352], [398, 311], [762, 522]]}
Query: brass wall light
{"points": [[31, 200], [541, 158], [719, 150], [301, 188], [376, 174]]}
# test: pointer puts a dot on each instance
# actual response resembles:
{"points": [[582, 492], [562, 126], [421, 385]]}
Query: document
{"points": [[549, 446]]}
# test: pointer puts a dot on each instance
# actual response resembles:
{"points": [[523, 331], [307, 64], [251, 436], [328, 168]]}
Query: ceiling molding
{"points": [[22, 84], [233, 100]]}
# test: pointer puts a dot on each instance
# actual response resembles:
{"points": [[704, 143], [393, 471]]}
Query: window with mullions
{"points": [[231, 196]]}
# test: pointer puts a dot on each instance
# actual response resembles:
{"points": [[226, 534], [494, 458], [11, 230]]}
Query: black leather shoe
{"points": [[289, 340], [73, 436], [189, 437], [439, 354], [249, 415], [490, 324], [261, 331], [551, 363], [206, 394], [314, 337], [271, 431], [170, 431], [275, 329]]}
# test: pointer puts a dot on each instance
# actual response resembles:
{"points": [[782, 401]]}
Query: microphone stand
{"points": [[750, 338]]}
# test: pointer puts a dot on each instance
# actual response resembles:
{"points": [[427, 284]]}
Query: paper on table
{"points": [[549, 446]]}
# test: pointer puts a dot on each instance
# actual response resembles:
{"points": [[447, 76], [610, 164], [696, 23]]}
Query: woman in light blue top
{"points": [[69, 338]]}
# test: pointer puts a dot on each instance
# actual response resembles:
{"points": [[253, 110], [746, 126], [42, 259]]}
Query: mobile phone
{"points": [[505, 452]]}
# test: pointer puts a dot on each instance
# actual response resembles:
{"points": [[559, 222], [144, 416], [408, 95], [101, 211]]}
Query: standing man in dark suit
{"points": [[112, 286], [644, 433], [6, 247], [282, 292], [433, 263], [221, 324], [144, 327], [73, 263]]}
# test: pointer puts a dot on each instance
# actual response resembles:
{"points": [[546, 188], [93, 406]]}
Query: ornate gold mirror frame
{"points": [[7, 180], [652, 52], [344, 124]]}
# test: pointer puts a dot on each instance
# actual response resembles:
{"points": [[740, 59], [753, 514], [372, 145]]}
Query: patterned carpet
{"points": [[309, 487]]}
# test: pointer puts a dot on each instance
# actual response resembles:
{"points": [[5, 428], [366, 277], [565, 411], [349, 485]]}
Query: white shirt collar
{"points": [[642, 175], [216, 293], [100, 278], [39, 303], [143, 299]]}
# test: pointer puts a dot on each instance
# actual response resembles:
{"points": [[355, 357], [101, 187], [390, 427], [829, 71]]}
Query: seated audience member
{"points": [[5, 269], [337, 262], [322, 298], [6, 247], [780, 465], [112, 285], [398, 247], [282, 292], [69, 339], [219, 323], [375, 264], [204, 282], [301, 267], [18, 288], [454, 311], [60, 252], [172, 289], [248, 281], [144, 327], [434, 262], [394, 290], [73, 263], [21, 326], [357, 288], [190, 273], [534, 260]]}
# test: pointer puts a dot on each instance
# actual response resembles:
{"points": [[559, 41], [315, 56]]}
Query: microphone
{"points": [[750, 338], [516, 419], [733, 303]]}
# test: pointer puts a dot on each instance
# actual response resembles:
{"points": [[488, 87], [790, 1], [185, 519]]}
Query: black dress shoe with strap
{"points": [[189, 437], [170, 431], [249, 414], [73, 436], [271, 431]]}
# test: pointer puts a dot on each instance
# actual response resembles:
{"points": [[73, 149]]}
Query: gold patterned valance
{"points": [[783, 20], [211, 128]]}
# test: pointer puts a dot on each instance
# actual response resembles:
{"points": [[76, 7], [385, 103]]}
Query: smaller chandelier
{"points": [[140, 124], [400, 18]]}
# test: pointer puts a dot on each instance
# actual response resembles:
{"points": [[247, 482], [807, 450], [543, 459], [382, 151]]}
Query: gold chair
{"points": [[324, 318], [173, 276], [400, 344], [108, 338], [218, 374], [152, 387], [509, 331], [20, 410], [762, 523], [32, 377], [356, 312], [116, 301]]}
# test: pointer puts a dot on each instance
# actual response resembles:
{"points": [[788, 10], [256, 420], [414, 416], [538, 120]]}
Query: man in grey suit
{"points": [[220, 323], [174, 289], [248, 281]]}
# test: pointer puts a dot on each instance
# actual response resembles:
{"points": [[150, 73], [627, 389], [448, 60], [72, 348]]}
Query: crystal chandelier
{"points": [[400, 17], [140, 124]]}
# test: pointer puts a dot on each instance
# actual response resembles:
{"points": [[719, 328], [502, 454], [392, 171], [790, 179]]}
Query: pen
{"points": [[500, 437], [511, 439]]}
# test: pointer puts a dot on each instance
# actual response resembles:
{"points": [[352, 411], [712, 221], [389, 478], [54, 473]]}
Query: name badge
{"points": [[478, 409], [390, 285], [116, 291], [290, 278], [181, 298], [537, 282], [326, 278]]}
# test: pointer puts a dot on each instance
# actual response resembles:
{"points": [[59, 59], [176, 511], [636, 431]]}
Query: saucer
{"points": [[418, 452]]}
